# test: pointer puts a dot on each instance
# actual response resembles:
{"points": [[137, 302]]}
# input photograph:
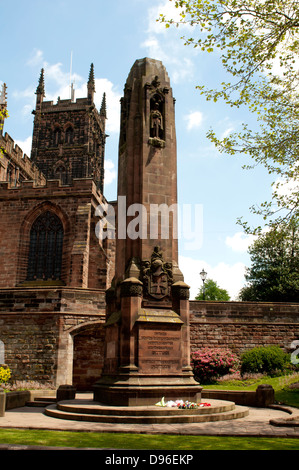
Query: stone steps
{"points": [[92, 412], [41, 401]]}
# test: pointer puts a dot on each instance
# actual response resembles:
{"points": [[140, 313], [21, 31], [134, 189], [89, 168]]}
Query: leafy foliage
{"points": [[268, 359], [3, 115], [257, 43], [211, 291], [274, 274], [211, 363]]}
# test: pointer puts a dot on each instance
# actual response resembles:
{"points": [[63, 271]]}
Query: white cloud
{"points": [[227, 132], [110, 172], [229, 277], [113, 97], [166, 8], [102, 85], [28, 93], [165, 44], [171, 54], [37, 58], [194, 119], [25, 145], [240, 242], [286, 188], [57, 84]]}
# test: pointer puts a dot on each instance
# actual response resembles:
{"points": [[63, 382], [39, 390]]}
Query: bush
{"points": [[5, 374], [212, 363], [268, 359]]}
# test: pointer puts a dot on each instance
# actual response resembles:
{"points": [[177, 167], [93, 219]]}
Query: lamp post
{"points": [[203, 276]]}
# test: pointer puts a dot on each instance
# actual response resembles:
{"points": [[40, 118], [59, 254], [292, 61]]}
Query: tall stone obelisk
{"points": [[147, 323]]}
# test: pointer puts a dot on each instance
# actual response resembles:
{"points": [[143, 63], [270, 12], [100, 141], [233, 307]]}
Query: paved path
{"points": [[257, 423]]}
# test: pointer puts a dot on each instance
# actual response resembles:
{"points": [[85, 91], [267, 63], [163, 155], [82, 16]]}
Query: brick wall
{"points": [[57, 334], [38, 328], [84, 259], [240, 326], [88, 360]]}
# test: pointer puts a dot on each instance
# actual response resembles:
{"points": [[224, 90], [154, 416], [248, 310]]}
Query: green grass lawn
{"points": [[280, 384], [143, 441], [283, 394]]}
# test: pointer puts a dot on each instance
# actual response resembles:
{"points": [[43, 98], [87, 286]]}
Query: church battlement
{"points": [[15, 157], [11, 148], [30, 188], [60, 105]]}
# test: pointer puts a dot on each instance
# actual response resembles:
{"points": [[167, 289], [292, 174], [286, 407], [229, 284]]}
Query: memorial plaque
{"points": [[159, 350]]}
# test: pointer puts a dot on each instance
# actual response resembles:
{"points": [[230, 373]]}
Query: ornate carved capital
{"points": [[180, 290], [131, 287]]}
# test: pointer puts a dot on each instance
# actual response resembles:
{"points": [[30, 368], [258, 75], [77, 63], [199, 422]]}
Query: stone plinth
{"points": [[147, 355]]}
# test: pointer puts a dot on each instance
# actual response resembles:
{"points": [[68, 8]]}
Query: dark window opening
{"points": [[45, 249], [61, 174], [56, 137], [69, 135]]}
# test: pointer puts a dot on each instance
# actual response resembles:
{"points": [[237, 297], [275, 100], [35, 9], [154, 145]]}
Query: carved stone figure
{"points": [[156, 121]]}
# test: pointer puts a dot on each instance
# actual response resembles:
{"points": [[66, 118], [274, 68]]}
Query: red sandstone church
{"points": [[58, 280]]}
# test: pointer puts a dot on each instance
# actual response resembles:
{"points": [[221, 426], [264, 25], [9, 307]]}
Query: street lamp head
{"points": [[203, 275]]}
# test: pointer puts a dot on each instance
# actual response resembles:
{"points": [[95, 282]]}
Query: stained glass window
{"points": [[45, 249]]}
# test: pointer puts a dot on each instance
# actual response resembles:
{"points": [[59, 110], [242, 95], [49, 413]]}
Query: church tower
{"points": [[69, 136]]}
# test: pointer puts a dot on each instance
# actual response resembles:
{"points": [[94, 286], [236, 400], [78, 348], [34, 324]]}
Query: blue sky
{"points": [[112, 35]]}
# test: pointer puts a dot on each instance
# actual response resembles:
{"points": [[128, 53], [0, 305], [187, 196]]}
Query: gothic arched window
{"points": [[69, 135], [56, 137], [61, 173], [45, 249]]}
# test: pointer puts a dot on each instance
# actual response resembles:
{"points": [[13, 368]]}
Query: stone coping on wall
{"points": [[236, 311], [239, 397]]}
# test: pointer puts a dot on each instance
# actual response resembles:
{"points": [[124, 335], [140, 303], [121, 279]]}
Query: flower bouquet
{"points": [[181, 404]]}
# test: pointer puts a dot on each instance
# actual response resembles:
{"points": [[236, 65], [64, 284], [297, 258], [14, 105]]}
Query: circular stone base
{"points": [[89, 410]]}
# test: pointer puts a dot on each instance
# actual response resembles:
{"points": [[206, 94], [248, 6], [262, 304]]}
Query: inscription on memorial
{"points": [[159, 351]]}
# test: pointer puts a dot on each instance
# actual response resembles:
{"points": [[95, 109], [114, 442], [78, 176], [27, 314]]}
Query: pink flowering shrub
{"points": [[212, 363]]}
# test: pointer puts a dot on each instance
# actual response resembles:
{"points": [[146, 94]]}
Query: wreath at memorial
{"points": [[181, 404]]}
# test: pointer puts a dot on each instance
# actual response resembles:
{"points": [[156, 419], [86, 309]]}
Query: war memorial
{"points": [[83, 310]]}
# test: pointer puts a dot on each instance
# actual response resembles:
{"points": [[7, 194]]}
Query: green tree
{"points": [[274, 273], [211, 291], [257, 43]]}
